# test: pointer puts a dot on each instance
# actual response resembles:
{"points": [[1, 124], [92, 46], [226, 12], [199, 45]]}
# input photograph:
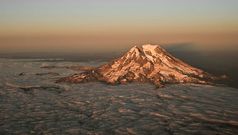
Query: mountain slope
{"points": [[149, 63]]}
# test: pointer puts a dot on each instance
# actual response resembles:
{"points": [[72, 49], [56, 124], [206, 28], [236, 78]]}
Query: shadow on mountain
{"points": [[222, 62]]}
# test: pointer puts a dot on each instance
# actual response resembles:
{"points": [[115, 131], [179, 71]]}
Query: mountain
{"points": [[149, 63]]}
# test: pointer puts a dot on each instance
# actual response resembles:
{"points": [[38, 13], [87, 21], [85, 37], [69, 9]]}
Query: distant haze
{"points": [[112, 25]]}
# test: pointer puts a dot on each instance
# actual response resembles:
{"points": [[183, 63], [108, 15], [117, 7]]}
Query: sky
{"points": [[111, 25]]}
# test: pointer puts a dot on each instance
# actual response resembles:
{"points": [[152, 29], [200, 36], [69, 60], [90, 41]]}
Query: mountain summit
{"points": [[148, 63]]}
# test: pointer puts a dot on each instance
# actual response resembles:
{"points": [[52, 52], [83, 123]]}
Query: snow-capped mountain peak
{"points": [[153, 52], [149, 63]]}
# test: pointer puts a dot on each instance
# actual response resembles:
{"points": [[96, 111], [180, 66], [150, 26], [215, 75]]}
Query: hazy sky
{"points": [[109, 25]]}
